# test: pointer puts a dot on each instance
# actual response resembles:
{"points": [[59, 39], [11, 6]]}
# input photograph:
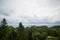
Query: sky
{"points": [[29, 12]]}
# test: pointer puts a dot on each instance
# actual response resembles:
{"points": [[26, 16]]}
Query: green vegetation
{"points": [[28, 33]]}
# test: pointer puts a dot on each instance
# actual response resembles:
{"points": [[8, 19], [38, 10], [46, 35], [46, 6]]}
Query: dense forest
{"points": [[28, 33]]}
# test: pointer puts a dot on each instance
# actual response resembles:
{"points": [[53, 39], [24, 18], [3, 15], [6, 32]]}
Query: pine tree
{"points": [[3, 29], [21, 32]]}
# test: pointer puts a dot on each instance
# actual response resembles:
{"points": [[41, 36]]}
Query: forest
{"points": [[28, 33]]}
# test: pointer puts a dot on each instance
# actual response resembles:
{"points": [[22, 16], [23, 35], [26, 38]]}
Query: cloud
{"points": [[30, 11], [54, 3], [5, 12]]}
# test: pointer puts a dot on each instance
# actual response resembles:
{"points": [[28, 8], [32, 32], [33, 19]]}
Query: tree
{"points": [[12, 35], [21, 32], [3, 23], [3, 30], [29, 35]]}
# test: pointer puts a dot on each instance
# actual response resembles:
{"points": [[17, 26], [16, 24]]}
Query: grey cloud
{"points": [[54, 3], [18, 7], [57, 22], [5, 12]]}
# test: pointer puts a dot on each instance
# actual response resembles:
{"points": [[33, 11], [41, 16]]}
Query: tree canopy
{"points": [[28, 33]]}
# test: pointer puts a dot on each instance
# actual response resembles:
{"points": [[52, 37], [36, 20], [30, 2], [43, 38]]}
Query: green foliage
{"points": [[20, 32], [3, 30], [51, 38], [28, 33]]}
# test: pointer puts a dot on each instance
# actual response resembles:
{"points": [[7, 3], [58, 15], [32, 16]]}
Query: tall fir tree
{"points": [[3, 29], [21, 32]]}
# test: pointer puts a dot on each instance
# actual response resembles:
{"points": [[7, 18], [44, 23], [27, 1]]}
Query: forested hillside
{"points": [[28, 33]]}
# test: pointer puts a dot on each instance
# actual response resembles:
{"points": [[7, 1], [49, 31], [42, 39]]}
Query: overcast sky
{"points": [[30, 11]]}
